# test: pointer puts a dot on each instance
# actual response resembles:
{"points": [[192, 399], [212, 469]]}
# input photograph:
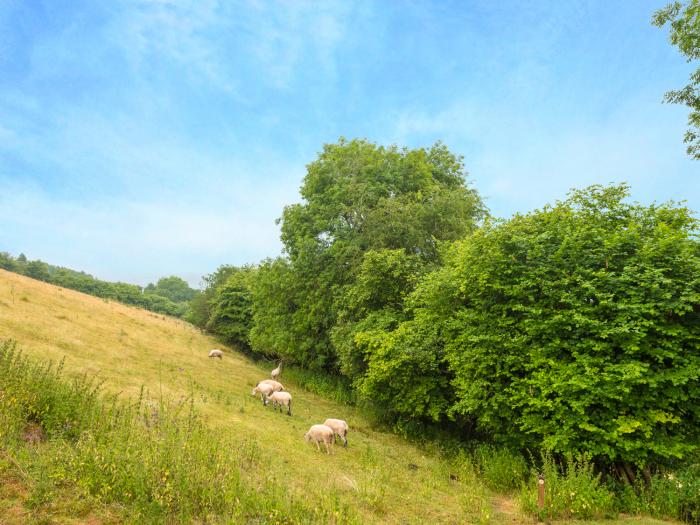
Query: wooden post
{"points": [[540, 491]]}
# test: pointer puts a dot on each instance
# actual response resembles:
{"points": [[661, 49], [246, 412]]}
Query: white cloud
{"points": [[520, 162], [145, 239]]}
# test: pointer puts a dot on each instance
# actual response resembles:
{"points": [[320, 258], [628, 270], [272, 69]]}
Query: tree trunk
{"points": [[630, 473]]}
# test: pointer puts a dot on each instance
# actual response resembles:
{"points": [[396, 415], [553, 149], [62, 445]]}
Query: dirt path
{"points": [[506, 510]]}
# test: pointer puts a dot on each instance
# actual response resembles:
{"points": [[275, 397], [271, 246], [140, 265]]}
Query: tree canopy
{"points": [[684, 22], [357, 197]]}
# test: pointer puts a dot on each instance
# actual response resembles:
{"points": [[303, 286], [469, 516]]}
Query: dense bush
{"points": [[578, 326], [231, 308]]}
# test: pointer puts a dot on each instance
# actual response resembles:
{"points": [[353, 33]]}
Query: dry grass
{"points": [[129, 347]]}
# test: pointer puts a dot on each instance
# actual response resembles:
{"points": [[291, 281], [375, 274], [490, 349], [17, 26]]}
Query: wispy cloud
{"points": [[139, 138]]}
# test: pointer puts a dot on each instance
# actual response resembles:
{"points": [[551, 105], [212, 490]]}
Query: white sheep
{"points": [[281, 399], [264, 390], [339, 428], [276, 387], [321, 433], [216, 353], [277, 371]]}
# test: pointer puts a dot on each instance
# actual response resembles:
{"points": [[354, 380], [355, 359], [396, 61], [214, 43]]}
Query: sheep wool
{"points": [[340, 428], [281, 399], [321, 433]]}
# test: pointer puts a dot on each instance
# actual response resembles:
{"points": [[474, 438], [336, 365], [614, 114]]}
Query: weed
{"points": [[572, 490], [501, 469]]}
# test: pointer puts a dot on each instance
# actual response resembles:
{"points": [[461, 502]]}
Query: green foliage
{"points": [[174, 288], [500, 468], [201, 304], [335, 388], [579, 326], [670, 494], [572, 490], [406, 370], [358, 197], [684, 21], [7, 262], [373, 304], [231, 308], [276, 315], [37, 270]]}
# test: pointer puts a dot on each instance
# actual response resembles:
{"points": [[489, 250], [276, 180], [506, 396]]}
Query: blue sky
{"points": [[147, 138]]}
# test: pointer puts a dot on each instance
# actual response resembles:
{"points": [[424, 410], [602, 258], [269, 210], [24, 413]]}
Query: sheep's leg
{"points": [[318, 446], [327, 449], [289, 409]]}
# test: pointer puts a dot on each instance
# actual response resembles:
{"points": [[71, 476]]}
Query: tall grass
{"points": [[572, 490], [670, 494], [156, 458], [331, 387]]}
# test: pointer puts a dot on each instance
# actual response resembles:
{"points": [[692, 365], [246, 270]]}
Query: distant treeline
{"points": [[169, 296], [574, 328]]}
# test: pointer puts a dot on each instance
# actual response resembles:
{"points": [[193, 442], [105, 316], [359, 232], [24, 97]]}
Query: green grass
{"points": [[259, 456]]}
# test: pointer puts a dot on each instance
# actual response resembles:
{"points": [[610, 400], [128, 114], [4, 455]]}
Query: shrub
{"points": [[501, 468], [572, 490], [578, 327], [669, 495]]}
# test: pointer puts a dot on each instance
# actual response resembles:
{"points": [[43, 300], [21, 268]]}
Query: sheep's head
{"points": [[255, 391], [307, 437]]}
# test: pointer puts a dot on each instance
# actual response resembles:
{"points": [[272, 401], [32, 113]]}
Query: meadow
{"points": [[151, 362]]}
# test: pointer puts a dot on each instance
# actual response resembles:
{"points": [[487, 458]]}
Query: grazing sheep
{"points": [[280, 399], [321, 433], [264, 390], [339, 428], [276, 387], [277, 371], [216, 353]]}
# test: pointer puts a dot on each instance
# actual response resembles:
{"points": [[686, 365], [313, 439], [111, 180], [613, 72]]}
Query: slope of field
{"points": [[380, 477]]}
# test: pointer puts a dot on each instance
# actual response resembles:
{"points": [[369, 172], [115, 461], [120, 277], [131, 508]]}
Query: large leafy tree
{"points": [[231, 308], [174, 288], [577, 326], [684, 21], [357, 197], [201, 304]]}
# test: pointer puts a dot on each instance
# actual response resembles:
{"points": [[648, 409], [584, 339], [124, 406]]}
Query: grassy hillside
{"points": [[380, 478]]}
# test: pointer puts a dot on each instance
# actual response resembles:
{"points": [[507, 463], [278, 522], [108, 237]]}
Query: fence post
{"points": [[540, 491]]}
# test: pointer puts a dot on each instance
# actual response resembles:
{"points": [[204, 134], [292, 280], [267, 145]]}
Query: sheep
{"points": [[276, 387], [280, 399], [319, 433], [216, 353], [277, 371], [264, 390], [340, 428]]}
